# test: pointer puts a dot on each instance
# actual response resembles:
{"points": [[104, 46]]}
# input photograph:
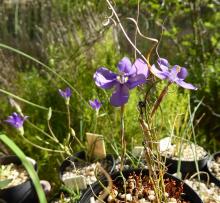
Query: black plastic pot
{"points": [[80, 157], [212, 176], [189, 193], [22, 193], [186, 166]]}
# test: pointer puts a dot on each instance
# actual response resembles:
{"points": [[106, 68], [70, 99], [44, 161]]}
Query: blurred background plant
{"points": [[70, 36]]}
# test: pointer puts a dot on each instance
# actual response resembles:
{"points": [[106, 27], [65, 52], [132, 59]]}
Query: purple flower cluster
{"points": [[132, 75]]}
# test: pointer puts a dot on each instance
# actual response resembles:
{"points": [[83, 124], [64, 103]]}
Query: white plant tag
{"points": [[138, 151], [165, 144], [77, 182], [96, 145]]}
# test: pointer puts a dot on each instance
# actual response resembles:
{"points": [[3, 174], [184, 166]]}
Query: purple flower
{"points": [[66, 94], [16, 120], [95, 104], [129, 77], [176, 74]]}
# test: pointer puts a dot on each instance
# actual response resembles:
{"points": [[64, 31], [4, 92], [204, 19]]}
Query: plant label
{"points": [[77, 182], [138, 151]]}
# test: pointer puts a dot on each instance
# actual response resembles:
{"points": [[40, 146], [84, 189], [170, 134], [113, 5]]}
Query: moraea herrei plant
{"points": [[129, 76]]}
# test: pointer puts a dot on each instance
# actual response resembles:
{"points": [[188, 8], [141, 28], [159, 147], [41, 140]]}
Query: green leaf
{"points": [[4, 183], [29, 167]]}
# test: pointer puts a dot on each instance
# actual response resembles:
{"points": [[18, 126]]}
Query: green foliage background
{"points": [[70, 37]]}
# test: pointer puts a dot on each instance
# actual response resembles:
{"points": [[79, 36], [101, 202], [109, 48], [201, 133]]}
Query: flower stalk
{"points": [[122, 133]]}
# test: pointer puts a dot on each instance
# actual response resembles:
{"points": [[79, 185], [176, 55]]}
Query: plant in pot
{"points": [[73, 169], [16, 185], [19, 182], [213, 168], [182, 155], [141, 185], [78, 171], [204, 187]]}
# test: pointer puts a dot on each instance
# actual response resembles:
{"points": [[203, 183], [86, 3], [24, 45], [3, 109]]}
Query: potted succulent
{"points": [[17, 185], [213, 168]]}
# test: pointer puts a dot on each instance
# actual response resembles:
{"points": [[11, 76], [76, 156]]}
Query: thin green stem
{"points": [[53, 136], [68, 116], [42, 148], [122, 132], [40, 130], [96, 120], [23, 100]]}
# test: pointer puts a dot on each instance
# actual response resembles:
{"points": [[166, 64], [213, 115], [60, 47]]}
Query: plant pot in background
{"points": [[22, 193], [208, 191], [188, 193], [212, 170], [79, 161], [187, 166]]}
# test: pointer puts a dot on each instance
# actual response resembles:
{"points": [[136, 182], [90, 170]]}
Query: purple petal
{"points": [[95, 104], [173, 73], [16, 120], [160, 74], [62, 93], [139, 67], [135, 81], [120, 95], [68, 92], [183, 73], [104, 78], [125, 65], [163, 61], [186, 85]]}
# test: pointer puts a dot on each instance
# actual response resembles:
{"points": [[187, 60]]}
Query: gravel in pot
{"points": [[77, 172], [139, 189], [20, 189], [208, 192], [170, 152], [213, 167]]}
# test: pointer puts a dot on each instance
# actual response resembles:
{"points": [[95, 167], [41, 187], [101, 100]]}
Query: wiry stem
{"points": [[68, 116], [96, 119], [124, 32], [159, 100], [42, 148]]}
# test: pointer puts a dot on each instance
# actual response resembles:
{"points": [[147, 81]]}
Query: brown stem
{"points": [[159, 100]]}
